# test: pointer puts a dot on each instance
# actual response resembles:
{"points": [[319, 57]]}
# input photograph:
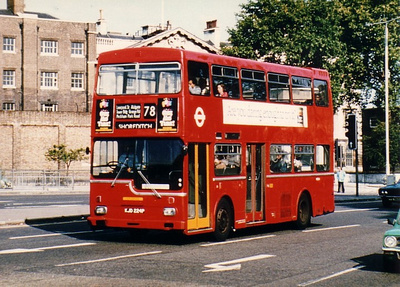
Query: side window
{"points": [[301, 89], [303, 158], [225, 82], [280, 158], [227, 159], [321, 93], [253, 85], [199, 79], [278, 88], [322, 158]]}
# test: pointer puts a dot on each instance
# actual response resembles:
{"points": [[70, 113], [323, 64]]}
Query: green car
{"points": [[391, 246]]}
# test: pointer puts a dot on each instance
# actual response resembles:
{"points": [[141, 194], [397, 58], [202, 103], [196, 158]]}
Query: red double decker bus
{"points": [[208, 143]]}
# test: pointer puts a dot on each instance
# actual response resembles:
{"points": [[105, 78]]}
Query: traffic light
{"points": [[351, 134]]}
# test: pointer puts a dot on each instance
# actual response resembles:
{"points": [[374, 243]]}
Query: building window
{"points": [[8, 79], [48, 80], [49, 107], [77, 81], [8, 44], [49, 47], [8, 106], [77, 49]]}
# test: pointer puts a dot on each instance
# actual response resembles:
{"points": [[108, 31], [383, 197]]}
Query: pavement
{"points": [[23, 215]]}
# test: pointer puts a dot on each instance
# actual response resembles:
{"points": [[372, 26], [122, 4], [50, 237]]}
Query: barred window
{"points": [[77, 81], [48, 80], [8, 106], [8, 44], [49, 47], [8, 79], [77, 49], [49, 107]]}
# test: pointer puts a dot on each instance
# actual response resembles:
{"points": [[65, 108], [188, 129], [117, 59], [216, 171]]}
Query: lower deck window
{"points": [[280, 158], [227, 159]]}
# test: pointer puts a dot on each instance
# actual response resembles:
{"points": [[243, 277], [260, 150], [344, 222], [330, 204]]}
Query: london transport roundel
{"points": [[199, 117]]}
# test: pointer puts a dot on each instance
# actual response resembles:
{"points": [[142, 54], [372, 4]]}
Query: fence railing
{"points": [[44, 179]]}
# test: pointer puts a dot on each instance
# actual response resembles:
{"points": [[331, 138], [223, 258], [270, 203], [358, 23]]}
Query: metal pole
{"points": [[387, 98]]}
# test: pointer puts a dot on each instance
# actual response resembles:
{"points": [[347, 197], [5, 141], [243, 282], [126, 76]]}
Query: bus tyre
{"points": [[223, 221], [303, 212]]}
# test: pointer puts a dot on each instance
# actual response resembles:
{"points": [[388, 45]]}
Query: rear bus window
{"points": [[321, 93], [322, 157]]}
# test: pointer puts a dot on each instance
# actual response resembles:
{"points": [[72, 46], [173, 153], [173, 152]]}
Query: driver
{"points": [[126, 160]]}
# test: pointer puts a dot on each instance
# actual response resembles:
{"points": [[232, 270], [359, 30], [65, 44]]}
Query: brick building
{"points": [[47, 69], [46, 64]]}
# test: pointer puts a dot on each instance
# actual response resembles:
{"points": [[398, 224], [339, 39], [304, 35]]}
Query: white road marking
{"points": [[48, 235], [236, 241], [40, 249], [109, 258], [311, 282], [233, 264], [355, 210], [331, 228]]}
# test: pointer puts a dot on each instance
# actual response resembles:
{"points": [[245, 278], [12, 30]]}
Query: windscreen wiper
{"points": [[124, 164], [146, 181]]}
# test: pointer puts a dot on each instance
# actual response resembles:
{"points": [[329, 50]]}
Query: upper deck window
{"points": [[301, 89], [199, 80], [278, 88], [321, 93], [225, 82], [139, 79], [253, 85]]}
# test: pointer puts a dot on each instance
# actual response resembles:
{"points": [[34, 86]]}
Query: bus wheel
{"points": [[223, 221], [303, 212]]}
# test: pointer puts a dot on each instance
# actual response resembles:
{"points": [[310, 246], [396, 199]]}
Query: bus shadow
{"points": [[78, 228]]}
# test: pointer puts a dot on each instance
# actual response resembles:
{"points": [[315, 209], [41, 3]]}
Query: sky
{"points": [[128, 16]]}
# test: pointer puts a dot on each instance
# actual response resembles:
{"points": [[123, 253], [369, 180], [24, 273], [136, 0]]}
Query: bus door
{"points": [[198, 197], [255, 163]]}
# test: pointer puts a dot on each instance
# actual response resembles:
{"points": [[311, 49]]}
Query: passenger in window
{"points": [[220, 162], [278, 164], [319, 101], [221, 89], [204, 87], [297, 164], [193, 88]]}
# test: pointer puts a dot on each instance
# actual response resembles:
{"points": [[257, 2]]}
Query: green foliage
{"points": [[330, 34], [374, 144], [59, 154]]}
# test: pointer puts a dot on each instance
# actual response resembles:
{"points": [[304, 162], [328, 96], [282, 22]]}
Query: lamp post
{"points": [[386, 22]]}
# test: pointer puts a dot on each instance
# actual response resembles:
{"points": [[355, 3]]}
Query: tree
{"points": [[59, 153], [374, 144], [332, 34]]}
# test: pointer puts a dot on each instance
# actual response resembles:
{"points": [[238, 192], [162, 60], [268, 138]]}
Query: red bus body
{"points": [[260, 154]]}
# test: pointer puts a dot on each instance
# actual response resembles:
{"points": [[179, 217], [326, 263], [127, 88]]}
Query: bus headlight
{"points": [[390, 241], [100, 210], [169, 211]]}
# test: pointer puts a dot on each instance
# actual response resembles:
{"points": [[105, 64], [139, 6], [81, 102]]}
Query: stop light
{"points": [[351, 134]]}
